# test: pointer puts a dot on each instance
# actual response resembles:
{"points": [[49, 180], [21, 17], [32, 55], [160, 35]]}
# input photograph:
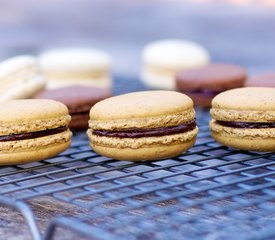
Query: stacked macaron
{"points": [[143, 125], [77, 77], [244, 118]]}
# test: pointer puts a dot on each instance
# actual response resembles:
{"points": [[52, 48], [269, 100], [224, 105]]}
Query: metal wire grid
{"points": [[210, 192]]}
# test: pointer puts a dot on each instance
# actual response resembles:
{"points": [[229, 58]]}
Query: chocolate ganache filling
{"points": [[247, 124], [148, 132], [31, 135]]}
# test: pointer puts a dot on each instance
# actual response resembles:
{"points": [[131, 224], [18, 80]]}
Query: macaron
{"points": [[261, 80], [163, 59], [20, 78], [76, 66], [244, 118], [147, 125], [32, 130], [204, 83], [78, 99]]}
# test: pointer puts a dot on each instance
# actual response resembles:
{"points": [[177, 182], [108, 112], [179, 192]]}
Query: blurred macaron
{"points": [[163, 59], [20, 78], [202, 84], [71, 66], [261, 80], [78, 99]]}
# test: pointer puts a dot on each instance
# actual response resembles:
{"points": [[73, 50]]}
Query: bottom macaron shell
{"points": [[256, 144], [25, 151], [155, 152], [157, 81], [261, 140]]}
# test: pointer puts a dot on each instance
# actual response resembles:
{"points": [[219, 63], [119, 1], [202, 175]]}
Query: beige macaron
{"points": [[20, 78], [145, 125], [244, 118], [32, 130], [164, 58], [76, 66]]}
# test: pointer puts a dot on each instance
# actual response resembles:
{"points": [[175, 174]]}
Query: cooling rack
{"points": [[209, 192]]}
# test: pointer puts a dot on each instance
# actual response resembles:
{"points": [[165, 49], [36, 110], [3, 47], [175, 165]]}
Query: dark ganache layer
{"points": [[149, 132], [31, 135], [247, 124]]}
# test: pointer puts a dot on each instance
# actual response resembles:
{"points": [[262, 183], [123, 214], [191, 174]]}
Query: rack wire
{"points": [[209, 192]]}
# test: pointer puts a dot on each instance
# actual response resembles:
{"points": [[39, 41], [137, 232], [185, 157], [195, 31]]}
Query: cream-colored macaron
{"points": [[32, 130], [76, 66], [145, 125], [20, 78], [163, 59], [244, 118]]}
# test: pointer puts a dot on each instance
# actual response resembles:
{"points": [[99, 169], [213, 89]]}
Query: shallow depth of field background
{"points": [[238, 31]]}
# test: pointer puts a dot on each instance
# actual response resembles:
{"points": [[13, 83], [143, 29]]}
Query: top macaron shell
{"points": [[19, 116], [74, 59], [174, 54], [249, 99], [215, 76], [110, 113]]}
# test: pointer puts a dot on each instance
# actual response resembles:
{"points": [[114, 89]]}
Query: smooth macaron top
{"points": [[215, 76], [18, 63], [252, 104], [28, 115], [174, 54], [74, 59], [142, 109], [76, 98]]}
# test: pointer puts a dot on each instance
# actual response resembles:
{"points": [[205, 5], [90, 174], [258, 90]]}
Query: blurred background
{"points": [[237, 31]]}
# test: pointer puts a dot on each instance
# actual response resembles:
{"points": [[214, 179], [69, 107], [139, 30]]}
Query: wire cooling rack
{"points": [[209, 192]]}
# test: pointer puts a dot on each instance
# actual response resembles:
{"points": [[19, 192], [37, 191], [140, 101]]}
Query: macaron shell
{"points": [[146, 153], [145, 122], [154, 80], [104, 82], [248, 98], [14, 111], [174, 54], [215, 76], [245, 139], [74, 59], [146, 104], [25, 151], [25, 89]]}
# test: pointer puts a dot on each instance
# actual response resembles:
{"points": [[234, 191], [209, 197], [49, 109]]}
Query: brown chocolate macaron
{"points": [[204, 83], [79, 100], [262, 80]]}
